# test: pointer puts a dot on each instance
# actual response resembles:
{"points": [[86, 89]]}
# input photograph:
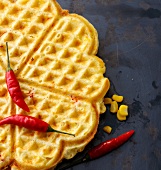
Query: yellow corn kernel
{"points": [[107, 129], [123, 110], [119, 117], [114, 107], [117, 98], [107, 100]]}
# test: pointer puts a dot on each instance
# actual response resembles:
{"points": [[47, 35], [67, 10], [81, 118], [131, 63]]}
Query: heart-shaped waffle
{"points": [[52, 54]]}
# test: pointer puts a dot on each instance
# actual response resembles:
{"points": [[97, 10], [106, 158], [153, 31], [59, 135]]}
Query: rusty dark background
{"points": [[130, 45]]}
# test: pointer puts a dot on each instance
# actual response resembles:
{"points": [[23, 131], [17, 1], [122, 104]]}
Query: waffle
{"points": [[53, 54]]}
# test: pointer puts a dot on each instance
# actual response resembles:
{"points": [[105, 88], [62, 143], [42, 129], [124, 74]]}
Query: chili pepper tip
{"points": [[131, 132]]}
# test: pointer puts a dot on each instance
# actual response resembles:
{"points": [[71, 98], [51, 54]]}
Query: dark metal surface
{"points": [[130, 45]]}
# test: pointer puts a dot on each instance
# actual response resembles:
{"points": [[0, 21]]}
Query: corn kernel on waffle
{"points": [[52, 54]]}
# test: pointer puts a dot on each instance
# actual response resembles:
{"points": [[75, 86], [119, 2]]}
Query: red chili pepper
{"points": [[14, 87], [109, 145], [101, 149], [31, 123]]}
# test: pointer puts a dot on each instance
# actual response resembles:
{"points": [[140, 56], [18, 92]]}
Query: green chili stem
{"points": [[8, 60], [50, 129]]}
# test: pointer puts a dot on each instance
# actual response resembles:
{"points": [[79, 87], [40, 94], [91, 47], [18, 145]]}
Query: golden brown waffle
{"points": [[52, 54]]}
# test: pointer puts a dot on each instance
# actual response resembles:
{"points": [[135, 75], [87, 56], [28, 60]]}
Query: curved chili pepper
{"points": [[31, 123], [101, 149], [14, 87]]}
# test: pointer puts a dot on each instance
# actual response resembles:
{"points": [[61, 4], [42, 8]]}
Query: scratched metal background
{"points": [[130, 45]]}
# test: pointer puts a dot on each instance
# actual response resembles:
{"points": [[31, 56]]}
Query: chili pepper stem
{"points": [[8, 60], [50, 129]]}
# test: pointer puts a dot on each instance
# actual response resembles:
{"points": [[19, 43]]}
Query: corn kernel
{"points": [[107, 100], [107, 129], [123, 110], [114, 107], [117, 98], [119, 117]]}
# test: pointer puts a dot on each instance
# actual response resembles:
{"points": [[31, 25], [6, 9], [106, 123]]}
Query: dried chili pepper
{"points": [[14, 87], [101, 149], [31, 123]]}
